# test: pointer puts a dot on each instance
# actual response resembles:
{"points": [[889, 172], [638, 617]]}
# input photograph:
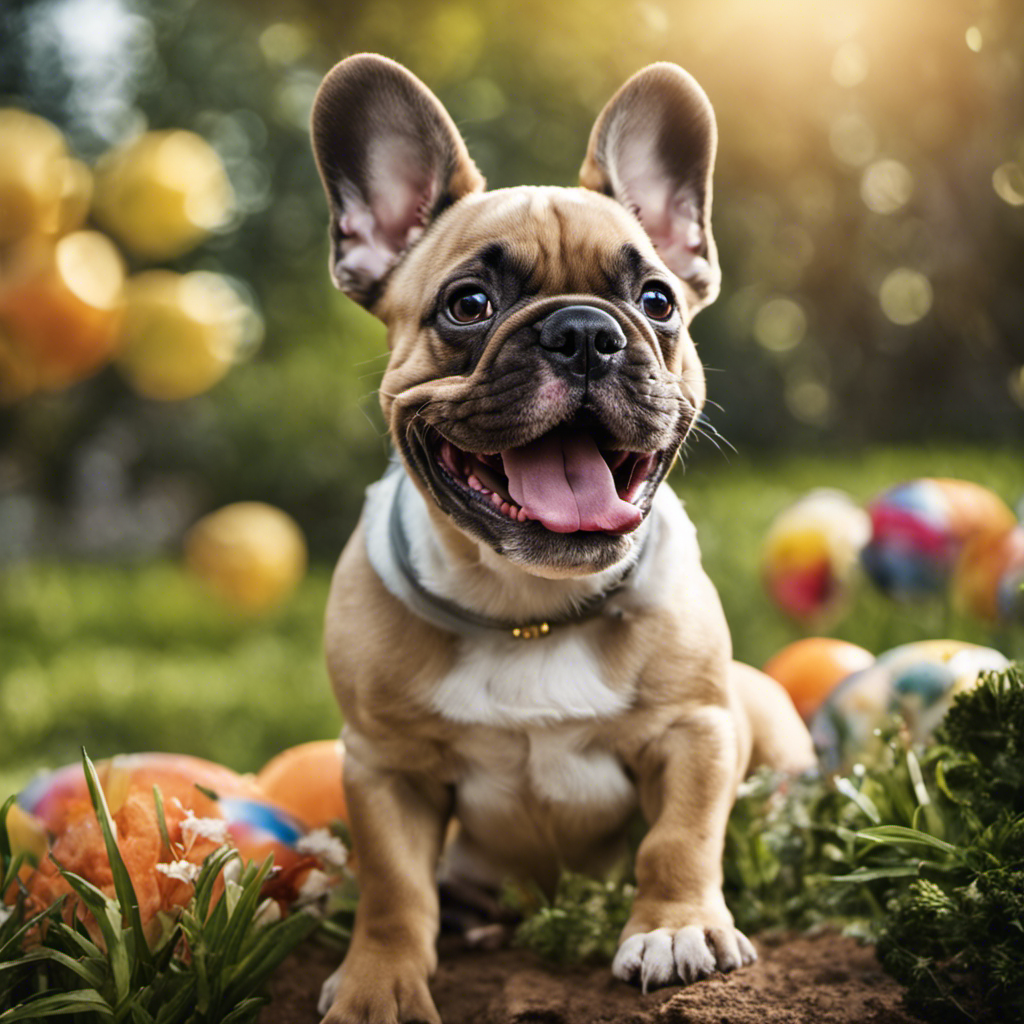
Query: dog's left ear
{"points": [[653, 149]]}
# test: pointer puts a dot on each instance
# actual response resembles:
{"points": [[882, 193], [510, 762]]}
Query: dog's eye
{"points": [[656, 304], [470, 306]]}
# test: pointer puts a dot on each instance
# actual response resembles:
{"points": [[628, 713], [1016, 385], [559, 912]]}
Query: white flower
{"points": [[192, 828], [268, 912], [314, 886], [325, 847], [182, 870]]}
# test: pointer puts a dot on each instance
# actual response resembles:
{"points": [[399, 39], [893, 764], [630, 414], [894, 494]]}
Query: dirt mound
{"points": [[824, 979]]}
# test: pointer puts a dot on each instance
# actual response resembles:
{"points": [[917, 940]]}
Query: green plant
{"points": [[955, 935], [206, 969], [579, 923]]}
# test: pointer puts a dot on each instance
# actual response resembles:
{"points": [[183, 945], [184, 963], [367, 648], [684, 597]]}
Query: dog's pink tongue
{"points": [[562, 480]]}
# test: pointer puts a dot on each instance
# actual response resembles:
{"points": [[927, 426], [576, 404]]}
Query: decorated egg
{"points": [[809, 669], [810, 553], [249, 554], [918, 529], [255, 825], [917, 681], [306, 781], [989, 577]]}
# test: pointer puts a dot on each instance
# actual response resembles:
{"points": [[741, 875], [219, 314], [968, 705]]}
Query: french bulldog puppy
{"points": [[519, 632]]}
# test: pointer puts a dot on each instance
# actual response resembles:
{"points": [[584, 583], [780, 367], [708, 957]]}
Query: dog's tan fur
{"points": [[689, 721]]}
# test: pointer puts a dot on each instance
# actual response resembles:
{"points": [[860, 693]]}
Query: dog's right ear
{"points": [[390, 159]]}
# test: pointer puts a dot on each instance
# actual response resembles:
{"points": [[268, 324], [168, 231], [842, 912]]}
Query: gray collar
{"points": [[387, 546]]}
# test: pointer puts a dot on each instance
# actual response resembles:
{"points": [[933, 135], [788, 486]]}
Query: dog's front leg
{"points": [[680, 928], [398, 825]]}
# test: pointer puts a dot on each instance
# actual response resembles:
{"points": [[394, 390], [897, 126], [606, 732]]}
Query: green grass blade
{"points": [[75, 938], [876, 874], [15, 940], [895, 835], [122, 880], [245, 1011], [89, 970], [161, 818], [212, 867], [5, 840], [108, 915], [272, 946], [58, 1004], [865, 803]]}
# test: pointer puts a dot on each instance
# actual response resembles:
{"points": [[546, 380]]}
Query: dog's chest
{"points": [[533, 712], [506, 683]]}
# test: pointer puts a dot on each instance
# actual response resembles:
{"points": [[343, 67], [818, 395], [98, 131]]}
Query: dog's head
{"points": [[542, 376]]}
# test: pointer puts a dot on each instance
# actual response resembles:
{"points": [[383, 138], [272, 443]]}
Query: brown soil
{"points": [[825, 979]]}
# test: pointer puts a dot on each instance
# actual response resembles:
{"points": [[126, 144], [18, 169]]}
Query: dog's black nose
{"points": [[582, 340]]}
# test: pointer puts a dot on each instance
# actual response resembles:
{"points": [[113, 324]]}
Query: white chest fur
{"points": [[533, 709], [502, 682]]}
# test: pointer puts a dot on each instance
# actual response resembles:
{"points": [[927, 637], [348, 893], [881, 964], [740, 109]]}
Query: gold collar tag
{"points": [[531, 632]]}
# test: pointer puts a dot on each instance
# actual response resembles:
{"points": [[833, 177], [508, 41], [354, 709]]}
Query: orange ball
{"points": [[306, 781], [809, 669]]}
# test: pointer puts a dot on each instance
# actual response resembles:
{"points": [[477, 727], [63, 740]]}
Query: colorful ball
{"points": [[810, 553], [918, 529], [810, 669], [306, 781], [917, 681], [989, 578]]}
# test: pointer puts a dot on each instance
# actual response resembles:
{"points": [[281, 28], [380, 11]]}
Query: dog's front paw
{"points": [[666, 956], [381, 997]]}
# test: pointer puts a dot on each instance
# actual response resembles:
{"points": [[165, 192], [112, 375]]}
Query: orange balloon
{"points": [[809, 669], [306, 781]]}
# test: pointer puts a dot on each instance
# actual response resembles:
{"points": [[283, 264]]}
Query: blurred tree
{"points": [[869, 209]]}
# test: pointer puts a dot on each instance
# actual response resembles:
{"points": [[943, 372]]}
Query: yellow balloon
{"points": [[250, 554], [162, 194], [181, 333], [36, 174]]}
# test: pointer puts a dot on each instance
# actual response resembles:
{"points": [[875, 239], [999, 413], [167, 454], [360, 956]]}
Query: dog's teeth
{"points": [[523, 515], [496, 499], [474, 483]]}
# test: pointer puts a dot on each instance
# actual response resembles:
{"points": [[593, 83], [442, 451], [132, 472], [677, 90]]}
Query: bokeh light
{"points": [[1008, 181], [182, 333], [161, 194], [780, 324], [905, 296], [886, 186]]}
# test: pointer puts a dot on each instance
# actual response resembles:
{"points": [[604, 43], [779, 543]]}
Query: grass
{"points": [[125, 659], [133, 658]]}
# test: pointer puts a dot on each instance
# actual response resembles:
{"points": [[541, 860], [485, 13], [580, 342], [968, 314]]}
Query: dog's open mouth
{"points": [[562, 480]]}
